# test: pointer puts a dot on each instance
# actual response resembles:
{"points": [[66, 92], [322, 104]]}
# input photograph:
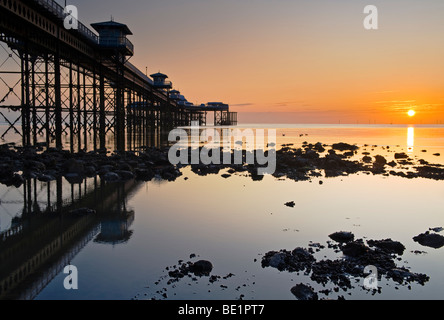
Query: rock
{"points": [[342, 236], [344, 146], [34, 165], [16, 180], [319, 147], [402, 275], [392, 164], [90, 171], [46, 178], [277, 260], [431, 240], [367, 159], [291, 204], [74, 178], [106, 168], [311, 154], [401, 155], [226, 176], [111, 177], [304, 292], [418, 252], [202, 267], [144, 174], [388, 245], [124, 166], [125, 175], [355, 249], [380, 160], [302, 255], [73, 166], [431, 172]]}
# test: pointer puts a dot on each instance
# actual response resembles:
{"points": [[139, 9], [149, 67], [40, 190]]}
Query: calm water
{"points": [[146, 227]]}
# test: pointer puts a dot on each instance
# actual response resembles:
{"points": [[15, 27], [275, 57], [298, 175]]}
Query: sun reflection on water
{"points": [[410, 139]]}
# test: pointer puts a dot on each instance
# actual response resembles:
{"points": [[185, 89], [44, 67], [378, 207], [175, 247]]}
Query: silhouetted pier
{"points": [[80, 83]]}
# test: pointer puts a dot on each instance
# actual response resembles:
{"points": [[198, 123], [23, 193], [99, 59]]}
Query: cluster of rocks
{"points": [[315, 160], [357, 255], [201, 269], [311, 159], [18, 164], [431, 239]]}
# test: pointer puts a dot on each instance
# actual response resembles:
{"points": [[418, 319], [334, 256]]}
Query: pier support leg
{"points": [[58, 102]]}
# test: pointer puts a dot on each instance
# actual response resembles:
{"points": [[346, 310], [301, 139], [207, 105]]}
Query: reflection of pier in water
{"points": [[42, 242]]}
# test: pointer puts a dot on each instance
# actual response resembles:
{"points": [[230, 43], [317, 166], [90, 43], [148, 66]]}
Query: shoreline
{"points": [[298, 164]]}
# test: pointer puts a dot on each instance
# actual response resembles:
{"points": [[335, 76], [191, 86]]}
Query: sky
{"points": [[292, 61]]}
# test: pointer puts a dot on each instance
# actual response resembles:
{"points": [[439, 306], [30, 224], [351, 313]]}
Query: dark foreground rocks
{"points": [[342, 236], [388, 245], [304, 292], [428, 239], [201, 268], [190, 271], [18, 164], [356, 256]]}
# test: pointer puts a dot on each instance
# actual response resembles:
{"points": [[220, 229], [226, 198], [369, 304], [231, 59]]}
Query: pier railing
{"points": [[59, 12]]}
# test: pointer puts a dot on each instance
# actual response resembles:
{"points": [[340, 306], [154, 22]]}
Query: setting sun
{"points": [[411, 113]]}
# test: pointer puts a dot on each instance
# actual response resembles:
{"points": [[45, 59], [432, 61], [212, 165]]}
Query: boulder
{"points": [[388, 245], [277, 260], [46, 178], [344, 147], [380, 160], [401, 155], [125, 175], [304, 292], [355, 249], [291, 204], [74, 178], [73, 166], [201, 267], [431, 240], [111, 177], [342, 236], [367, 159]]}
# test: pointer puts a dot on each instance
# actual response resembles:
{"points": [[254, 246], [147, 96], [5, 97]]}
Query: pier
{"points": [[79, 83]]}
